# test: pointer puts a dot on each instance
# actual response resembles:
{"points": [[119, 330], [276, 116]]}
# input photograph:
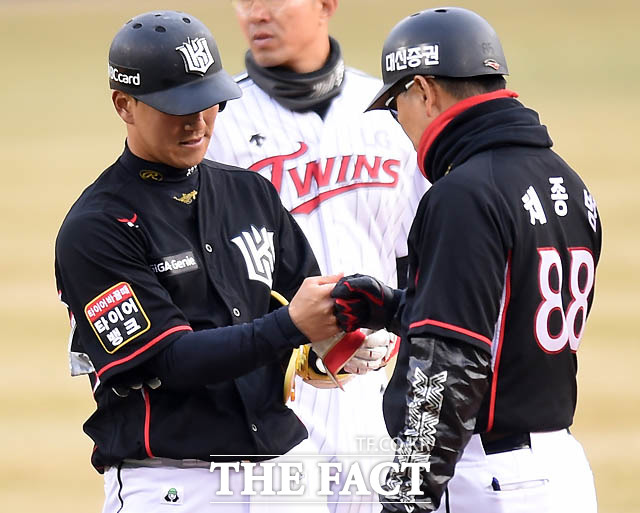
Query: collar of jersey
{"points": [[301, 92], [137, 165], [439, 124]]}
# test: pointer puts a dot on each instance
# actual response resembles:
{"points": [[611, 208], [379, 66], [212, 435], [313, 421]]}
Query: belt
{"points": [[165, 462], [494, 443]]}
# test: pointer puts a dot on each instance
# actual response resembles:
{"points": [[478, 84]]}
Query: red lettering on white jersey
{"points": [[328, 184]]}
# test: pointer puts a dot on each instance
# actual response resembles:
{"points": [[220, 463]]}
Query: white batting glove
{"points": [[376, 351], [336, 351]]}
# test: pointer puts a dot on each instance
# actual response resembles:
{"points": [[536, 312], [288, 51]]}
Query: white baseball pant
{"points": [[552, 476], [139, 486]]}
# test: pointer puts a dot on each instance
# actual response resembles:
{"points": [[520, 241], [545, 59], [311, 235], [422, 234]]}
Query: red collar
{"points": [[438, 124]]}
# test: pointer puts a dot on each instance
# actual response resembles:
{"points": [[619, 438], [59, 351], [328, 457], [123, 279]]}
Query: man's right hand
{"points": [[361, 301], [311, 309]]}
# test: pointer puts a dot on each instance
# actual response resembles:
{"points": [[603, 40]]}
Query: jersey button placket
{"points": [[208, 247], [236, 312], [254, 428]]}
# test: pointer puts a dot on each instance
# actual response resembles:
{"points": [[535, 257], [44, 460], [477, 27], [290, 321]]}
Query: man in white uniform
{"points": [[350, 180]]}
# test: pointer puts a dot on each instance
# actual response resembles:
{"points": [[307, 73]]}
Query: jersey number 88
{"points": [[570, 332]]}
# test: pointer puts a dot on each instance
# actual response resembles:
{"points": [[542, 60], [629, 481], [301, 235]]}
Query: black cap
{"points": [[443, 42], [170, 61]]}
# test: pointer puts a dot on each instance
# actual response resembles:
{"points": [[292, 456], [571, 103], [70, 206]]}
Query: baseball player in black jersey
{"points": [[166, 264], [502, 261]]}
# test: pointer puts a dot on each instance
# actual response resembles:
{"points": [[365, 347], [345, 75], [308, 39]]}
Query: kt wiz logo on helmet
{"points": [[196, 55]]}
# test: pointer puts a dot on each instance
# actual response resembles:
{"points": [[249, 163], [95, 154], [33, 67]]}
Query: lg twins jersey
{"points": [[350, 180]]}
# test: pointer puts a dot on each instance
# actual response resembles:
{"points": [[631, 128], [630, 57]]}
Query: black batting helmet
{"points": [[444, 42], [170, 61]]}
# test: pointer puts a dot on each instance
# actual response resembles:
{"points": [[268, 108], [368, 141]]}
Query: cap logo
{"points": [[412, 57], [122, 75], [196, 55], [491, 63]]}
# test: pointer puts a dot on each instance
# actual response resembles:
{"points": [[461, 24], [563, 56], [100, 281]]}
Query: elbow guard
{"points": [[447, 381]]}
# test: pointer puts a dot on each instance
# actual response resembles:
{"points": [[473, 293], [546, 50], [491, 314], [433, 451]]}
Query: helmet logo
{"points": [[196, 55], [491, 63], [412, 57], [124, 75]]}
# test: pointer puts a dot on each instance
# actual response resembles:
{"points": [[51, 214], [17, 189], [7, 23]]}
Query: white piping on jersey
{"points": [[79, 363], [497, 331]]}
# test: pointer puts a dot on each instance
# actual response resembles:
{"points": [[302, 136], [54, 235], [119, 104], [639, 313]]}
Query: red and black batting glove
{"points": [[362, 301]]}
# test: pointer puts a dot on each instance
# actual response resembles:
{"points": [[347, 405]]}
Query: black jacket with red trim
{"points": [[502, 257], [150, 256]]}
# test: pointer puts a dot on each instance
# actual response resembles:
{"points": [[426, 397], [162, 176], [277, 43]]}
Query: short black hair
{"points": [[465, 87]]}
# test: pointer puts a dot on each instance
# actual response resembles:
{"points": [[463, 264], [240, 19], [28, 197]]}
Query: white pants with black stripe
{"points": [[552, 476], [143, 487]]}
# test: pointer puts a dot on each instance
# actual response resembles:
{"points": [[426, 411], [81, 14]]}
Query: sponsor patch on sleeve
{"points": [[117, 317], [175, 264]]}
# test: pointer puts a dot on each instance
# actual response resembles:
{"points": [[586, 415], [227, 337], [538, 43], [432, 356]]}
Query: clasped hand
{"points": [[362, 301]]}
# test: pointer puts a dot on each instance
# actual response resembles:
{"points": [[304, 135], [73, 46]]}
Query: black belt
{"points": [[495, 443]]}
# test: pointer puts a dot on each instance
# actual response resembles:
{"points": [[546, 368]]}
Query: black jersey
{"points": [[149, 253], [502, 255]]}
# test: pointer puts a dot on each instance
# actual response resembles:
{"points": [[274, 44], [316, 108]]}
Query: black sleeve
{"points": [[395, 325], [402, 268], [447, 381], [104, 279], [211, 356], [461, 247]]}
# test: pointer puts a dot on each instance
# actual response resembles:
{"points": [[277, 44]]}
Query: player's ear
{"points": [[123, 104], [329, 7], [431, 94]]}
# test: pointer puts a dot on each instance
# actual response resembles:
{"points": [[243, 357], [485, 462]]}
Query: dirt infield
{"points": [[574, 62]]}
